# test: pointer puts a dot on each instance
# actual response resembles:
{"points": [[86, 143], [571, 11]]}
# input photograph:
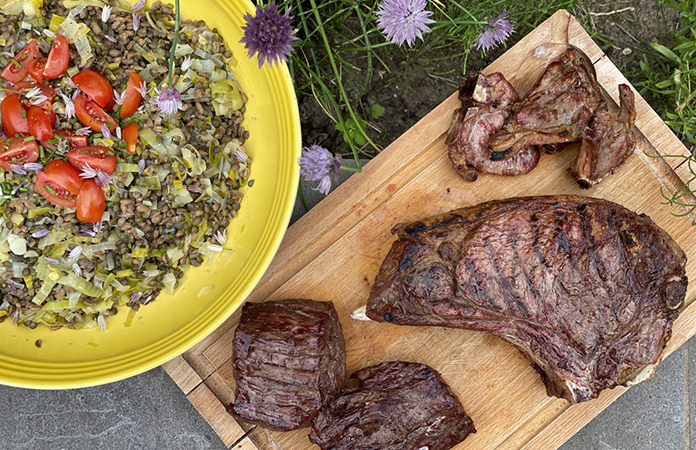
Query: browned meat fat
{"points": [[486, 103], [606, 142], [557, 110], [586, 289], [289, 361], [396, 405]]}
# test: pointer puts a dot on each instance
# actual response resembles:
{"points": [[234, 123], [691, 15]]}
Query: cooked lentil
{"points": [[160, 219]]}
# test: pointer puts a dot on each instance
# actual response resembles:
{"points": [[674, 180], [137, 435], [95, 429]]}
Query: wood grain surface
{"points": [[334, 251]]}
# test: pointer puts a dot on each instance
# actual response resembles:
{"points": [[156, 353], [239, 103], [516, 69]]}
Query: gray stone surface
{"points": [[147, 411], [648, 416]]}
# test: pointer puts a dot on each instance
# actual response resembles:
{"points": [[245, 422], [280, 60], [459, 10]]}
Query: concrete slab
{"points": [[144, 412], [649, 416]]}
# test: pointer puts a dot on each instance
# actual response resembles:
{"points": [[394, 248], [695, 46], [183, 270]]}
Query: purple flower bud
{"points": [[404, 20], [34, 167], [169, 101], [41, 233], [18, 169], [495, 32]]}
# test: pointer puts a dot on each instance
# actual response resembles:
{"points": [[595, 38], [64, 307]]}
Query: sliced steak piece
{"points": [[586, 289], [607, 142], [486, 103], [396, 405], [557, 110], [289, 361]]}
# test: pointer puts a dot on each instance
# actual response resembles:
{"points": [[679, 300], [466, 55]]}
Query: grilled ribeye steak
{"points": [[586, 289], [557, 110], [396, 405], [289, 361], [486, 103], [606, 142]]}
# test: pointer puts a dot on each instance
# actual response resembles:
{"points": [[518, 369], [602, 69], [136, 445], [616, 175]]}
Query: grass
{"points": [[341, 49]]}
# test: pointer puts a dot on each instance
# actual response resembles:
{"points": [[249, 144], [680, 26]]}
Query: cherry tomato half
{"points": [[14, 117], [17, 68], [17, 151], [65, 174], [54, 192], [74, 140], [132, 97], [130, 135], [98, 158], [46, 90], [96, 86], [39, 123], [90, 202], [36, 69], [92, 115], [58, 59]]}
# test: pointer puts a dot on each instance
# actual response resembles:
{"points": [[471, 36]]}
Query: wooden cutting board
{"points": [[334, 251]]}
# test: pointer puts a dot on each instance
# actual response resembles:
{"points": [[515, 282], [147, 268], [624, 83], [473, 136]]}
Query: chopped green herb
{"points": [[50, 189], [29, 138], [14, 61], [24, 115]]}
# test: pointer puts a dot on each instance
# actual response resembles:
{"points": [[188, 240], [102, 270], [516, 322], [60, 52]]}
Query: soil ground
{"points": [[622, 28]]}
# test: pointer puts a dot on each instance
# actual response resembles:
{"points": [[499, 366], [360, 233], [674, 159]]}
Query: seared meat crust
{"points": [[289, 361], [586, 289], [396, 406]]}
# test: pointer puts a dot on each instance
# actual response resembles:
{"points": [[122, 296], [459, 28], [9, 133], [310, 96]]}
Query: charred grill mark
{"points": [[388, 317], [416, 228], [563, 241], [581, 207], [500, 155], [564, 133], [610, 218]]}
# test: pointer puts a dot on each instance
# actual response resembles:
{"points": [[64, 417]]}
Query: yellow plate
{"points": [[172, 324]]}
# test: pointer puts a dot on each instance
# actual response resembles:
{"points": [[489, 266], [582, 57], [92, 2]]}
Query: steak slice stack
{"points": [[289, 361], [586, 289], [396, 405]]}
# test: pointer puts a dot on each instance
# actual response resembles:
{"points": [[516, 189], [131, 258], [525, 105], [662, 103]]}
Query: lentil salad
{"points": [[167, 204]]}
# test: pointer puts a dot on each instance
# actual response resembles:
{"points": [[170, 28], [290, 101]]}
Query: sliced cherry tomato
{"points": [[130, 135], [36, 69], [39, 123], [96, 86], [65, 174], [58, 59], [14, 117], [92, 115], [90, 202], [98, 158], [17, 68], [46, 90], [54, 192], [74, 140], [17, 151], [132, 97]]}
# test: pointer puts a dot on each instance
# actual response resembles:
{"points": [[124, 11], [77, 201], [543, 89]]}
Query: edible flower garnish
{"points": [[317, 164], [69, 105], [404, 20], [102, 178], [169, 100], [221, 237], [268, 34], [495, 32], [106, 13], [105, 131], [75, 253], [84, 131], [40, 233], [101, 322], [140, 4]]}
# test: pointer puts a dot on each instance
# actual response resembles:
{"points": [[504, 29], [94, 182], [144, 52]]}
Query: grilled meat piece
{"points": [[557, 110], [289, 361], [607, 142], [586, 289], [486, 103], [396, 405]]}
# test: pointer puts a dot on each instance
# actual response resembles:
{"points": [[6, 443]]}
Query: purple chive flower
{"points": [[15, 317], [268, 34], [105, 131], [106, 13], [186, 63], [50, 260], [169, 101], [84, 131], [70, 83], [404, 20], [41, 233], [77, 269], [69, 105], [221, 237], [142, 164], [16, 168], [15, 190], [151, 273], [317, 164], [194, 188], [494, 32], [136, 297], [88, 232], [136, 21], [76, 252], [214, 248], [118, 98], [110, 38], [102, 323], [88, 172], [140, 4], [118, 132], [240, 154], [103, 179], [34, 167], [144, 91], [62, 146]]}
